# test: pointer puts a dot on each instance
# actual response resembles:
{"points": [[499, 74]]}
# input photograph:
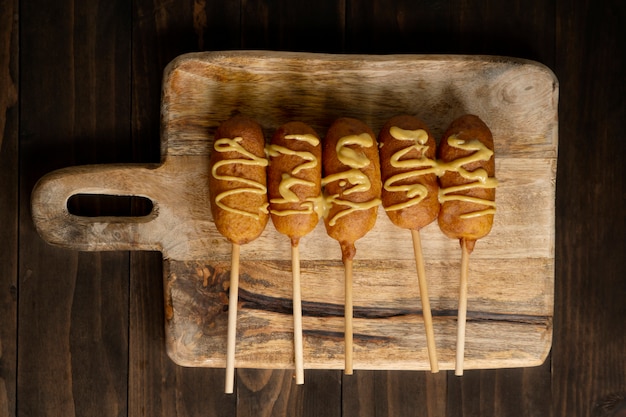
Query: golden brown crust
{"points": [[348, 228], [238, 228], [467, 128], [294, 225], [421, 214]]}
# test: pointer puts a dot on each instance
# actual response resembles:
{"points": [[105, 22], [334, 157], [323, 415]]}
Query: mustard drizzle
{"points": [[288, 180], [424, 166], [479, 176], [420, 165], [254, 187], [358, 180]]}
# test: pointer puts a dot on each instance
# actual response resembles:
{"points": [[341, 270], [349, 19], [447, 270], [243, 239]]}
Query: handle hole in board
{"points": [[98, 205]]}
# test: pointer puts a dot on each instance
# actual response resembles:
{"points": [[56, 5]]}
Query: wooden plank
{"points": [[217, 25], [293, 26], [272, 392], [589, 374], [494, 28], [317, 26], [72, 336], [507, 392], [402, 393], [8, 206], [8, 70], [401, 26], [162, 30], [157, 386], [510, 392]]}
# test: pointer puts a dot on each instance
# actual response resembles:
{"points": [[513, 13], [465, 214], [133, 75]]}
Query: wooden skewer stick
{"points": [[348, 312], [426, 312], [297, 314], [233, 298], [462, 314]]}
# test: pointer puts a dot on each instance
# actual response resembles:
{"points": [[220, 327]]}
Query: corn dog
{"points": [[294, 188], [467, 195], [352, 191], [238, 194], [410, 194]]}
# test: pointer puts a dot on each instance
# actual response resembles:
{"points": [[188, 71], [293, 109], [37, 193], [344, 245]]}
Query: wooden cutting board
{"points": [[511, 277]]}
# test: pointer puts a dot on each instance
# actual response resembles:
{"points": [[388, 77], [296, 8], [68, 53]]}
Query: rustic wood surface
{"points": [[510, 324], [81, 333], [9, 179]]}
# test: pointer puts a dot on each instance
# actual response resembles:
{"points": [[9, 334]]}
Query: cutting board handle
{"points": [[59, 227]]}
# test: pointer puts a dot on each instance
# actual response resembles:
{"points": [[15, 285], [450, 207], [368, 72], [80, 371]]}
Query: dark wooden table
{"points": [[82, 333]]}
